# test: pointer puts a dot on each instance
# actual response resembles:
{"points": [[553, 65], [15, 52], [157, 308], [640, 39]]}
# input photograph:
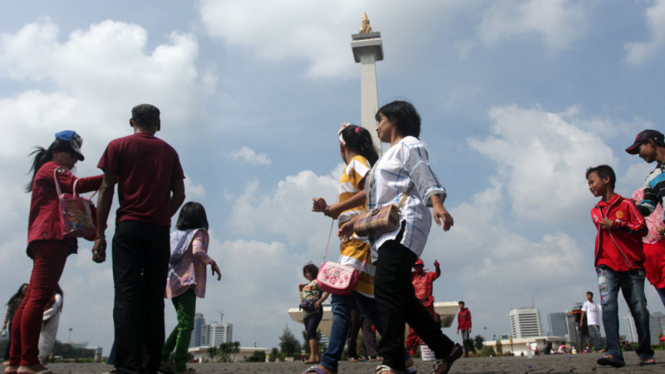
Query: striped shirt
{"points": [[353, 252], [654, 191], [405, 164]]}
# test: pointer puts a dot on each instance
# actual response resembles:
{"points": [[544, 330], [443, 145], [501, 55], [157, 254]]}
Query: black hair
{"points": [[403, 115], [462, 302], [603, 171], [589, 293], [359, 140], [146, 116], [42, 156], [18, 294], [192, 216], [310, 268]]}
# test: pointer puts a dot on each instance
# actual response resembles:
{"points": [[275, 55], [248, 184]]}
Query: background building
{"points": [[199, 321], [220, 333], [629, 328], [558, 325], [525, 323]]}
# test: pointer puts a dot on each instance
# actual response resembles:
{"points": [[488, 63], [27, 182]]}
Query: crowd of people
{"points": [[150, 263]]}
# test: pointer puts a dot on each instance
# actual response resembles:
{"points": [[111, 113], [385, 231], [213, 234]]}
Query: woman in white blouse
{"points": [[405, 164]]}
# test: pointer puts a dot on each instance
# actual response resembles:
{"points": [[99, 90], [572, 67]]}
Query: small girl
{"points": [[187, 279]]}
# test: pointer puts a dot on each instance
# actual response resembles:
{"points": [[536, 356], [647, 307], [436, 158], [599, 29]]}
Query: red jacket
{"points": [[463, 319], [619, 248], [44, 219]]}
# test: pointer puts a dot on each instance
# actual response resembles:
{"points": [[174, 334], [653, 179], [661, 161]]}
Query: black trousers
{"points": [[141, 254], [397, 303]]}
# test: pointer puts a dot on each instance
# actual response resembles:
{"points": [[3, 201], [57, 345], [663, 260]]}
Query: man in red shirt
{"points": [[464, 325], [422, 281], [150, 190]]}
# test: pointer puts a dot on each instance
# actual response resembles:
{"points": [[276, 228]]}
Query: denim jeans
{"points": [[341, 309], [594, 334], [632, 286]]}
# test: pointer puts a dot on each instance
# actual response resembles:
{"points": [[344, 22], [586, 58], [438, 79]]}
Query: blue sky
{"points": [[517, 98]]}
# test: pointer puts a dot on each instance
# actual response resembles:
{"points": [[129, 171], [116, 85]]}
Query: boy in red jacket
{"points": [[619, 262]]}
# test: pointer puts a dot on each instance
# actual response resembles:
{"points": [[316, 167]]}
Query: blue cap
{"points": [[74, 140]]}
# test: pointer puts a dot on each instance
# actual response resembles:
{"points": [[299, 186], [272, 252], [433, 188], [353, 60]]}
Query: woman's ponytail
{"points": [[41, 156], [359, 140]]}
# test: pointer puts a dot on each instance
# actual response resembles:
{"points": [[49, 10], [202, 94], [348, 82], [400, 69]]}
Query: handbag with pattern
{"points": [[380, 220], [76, 218]]}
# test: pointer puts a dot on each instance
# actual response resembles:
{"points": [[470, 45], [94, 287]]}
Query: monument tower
{"points": [[367, 50]]}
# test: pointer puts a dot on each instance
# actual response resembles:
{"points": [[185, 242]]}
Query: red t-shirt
{"points": [[146, 168]]}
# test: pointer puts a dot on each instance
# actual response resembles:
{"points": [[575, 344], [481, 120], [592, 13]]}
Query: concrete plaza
{"points": [[581, 363]]}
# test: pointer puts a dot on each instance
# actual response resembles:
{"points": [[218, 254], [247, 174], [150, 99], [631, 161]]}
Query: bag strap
{"points": [[57, 184], [368, 189], [408, 192]]}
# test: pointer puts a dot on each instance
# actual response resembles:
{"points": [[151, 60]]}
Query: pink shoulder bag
{"points": [[75, 213], [336, 278]]}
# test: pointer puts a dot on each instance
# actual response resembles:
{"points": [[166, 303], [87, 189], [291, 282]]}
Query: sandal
{"points": [[609, 360], [454, 355], [318, 369], [648, 361], [166, 368], [381, 369]]}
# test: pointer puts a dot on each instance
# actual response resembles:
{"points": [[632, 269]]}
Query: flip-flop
{"points": [[453, 356], [648, 361], [317, 369], [610, 361]]}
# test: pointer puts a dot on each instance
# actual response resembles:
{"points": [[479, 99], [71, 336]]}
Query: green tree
{"points": [[212, 353], [257, 356], [227, 351], [274, 355], [478, 342], [288, 344]]}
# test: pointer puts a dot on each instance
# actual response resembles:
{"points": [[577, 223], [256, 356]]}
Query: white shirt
{"points": [[404, 164], [592, 311]]}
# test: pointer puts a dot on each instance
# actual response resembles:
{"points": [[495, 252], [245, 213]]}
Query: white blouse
{"points": [[405, 163]]}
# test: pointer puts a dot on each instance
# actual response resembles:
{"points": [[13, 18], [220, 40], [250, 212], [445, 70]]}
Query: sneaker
{"points": [[610, 361]]}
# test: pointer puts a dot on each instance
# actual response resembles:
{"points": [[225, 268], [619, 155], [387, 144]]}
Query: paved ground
{"points": [[585, 363]]}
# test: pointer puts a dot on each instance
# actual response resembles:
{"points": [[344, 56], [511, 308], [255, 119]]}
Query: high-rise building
{"points": [[199, 321], [661, 317], [558, 325], [629, 328], [220, 333], [655, 328], [525, 323]]}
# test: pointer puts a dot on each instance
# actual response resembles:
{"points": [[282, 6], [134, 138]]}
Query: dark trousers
{"points": [[397, 303], [369, 338], [141, 254]]}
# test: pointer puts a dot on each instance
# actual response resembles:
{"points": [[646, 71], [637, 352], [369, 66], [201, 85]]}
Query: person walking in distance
{"points": [[591, 310], [150, 183], [464, 326], [423, 284]]}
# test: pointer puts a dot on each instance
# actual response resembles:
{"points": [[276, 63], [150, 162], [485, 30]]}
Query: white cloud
{"points": [[640, 52], [287, 209], [248, 156], [541, 158], [557, 22], [194, 191], [318, 33]]}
